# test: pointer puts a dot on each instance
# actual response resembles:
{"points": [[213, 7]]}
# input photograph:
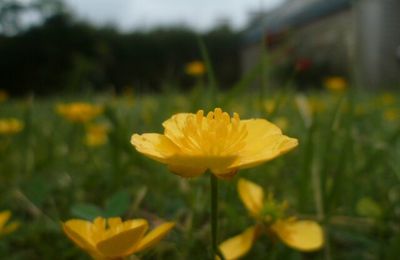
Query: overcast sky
{"points": [[200, 14]]}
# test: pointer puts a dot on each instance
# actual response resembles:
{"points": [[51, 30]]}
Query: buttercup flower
{"points": [[10, 126], [335, 84], [79, 112], [193, 143], [10, 227], [195, 68], [302, 235], [112, 238], [96, 135]]}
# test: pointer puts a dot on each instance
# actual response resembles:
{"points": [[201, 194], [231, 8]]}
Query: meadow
{"points": [[345, 173]]}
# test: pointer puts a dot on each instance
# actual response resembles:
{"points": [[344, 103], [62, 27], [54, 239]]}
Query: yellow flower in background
{"points": [[269, 106], [10, 126], [7, 228], [96, 135], [302, 235], [391, 115], [195, 68], [79, 112], [335, 84], [387, 99], [194, 143], [113, 238], [3, 95]]}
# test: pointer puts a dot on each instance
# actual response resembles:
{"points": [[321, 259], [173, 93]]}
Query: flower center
{"points": [[216, 134], [272, 210]]}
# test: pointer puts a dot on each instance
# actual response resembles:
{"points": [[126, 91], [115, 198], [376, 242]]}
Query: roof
{"points": [[292, 15]]}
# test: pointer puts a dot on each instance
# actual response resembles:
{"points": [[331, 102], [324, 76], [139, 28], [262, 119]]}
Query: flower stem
{"points": [[214, 216]]}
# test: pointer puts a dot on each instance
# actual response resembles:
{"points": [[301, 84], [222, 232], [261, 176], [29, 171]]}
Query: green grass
{"points": [[345, 173]]}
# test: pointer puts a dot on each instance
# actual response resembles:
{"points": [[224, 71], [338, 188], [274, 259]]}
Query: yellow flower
{"points": [[302, 235], [112, 238], [11, 227], [96, 135], [391, 115], [387, 99], [3, 95], [335, 84], [195, 68], [10, 126], [193, 143], [269, 106], [79, 112]]}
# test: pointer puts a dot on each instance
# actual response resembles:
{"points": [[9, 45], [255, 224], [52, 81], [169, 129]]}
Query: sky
{"points": [[198, 14]]}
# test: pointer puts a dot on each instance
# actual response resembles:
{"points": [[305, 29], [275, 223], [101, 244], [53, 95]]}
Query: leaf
{"points": [[118, 204], [86, 211], [367, 207]]}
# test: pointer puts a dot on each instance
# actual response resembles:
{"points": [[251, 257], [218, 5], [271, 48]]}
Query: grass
{"points": [[345, 173]]}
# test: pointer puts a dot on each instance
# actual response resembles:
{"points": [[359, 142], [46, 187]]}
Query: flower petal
{"points": [[155, 146], [4, 217], [237, 246], [120, 244], [252, 196], [11, 227], [174, 125], [80, 232], [264, 142], [216, 164], [155, 236], [303, 235], [186, 171]]}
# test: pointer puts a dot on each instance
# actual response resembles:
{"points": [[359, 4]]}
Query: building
{"points": [[357, 39]]}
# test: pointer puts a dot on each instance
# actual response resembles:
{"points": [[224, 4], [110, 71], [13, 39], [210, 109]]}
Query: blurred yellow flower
{"points": [[387, 99], [195, 68], [10, 126], [391, 115], [113, 238], [79, 112], [335, 84], [269, 106], [3, 95], [302, 235], [193, 143], [96, 135], [10, 227]]}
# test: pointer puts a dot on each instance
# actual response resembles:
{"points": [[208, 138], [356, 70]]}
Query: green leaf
{"points": [[118, 204], [86, 211]]}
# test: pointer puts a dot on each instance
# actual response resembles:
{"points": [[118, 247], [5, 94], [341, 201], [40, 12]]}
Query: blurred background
{"points": [[79, 77], [58, 46]]}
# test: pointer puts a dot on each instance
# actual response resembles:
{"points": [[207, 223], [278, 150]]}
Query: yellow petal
{"points": [[154, 236], [264, 142], [121, 243], [114, 222], [4, 217], [10, 228], [237, 246], [155, 146], [252, 196], [80, 232], [186, 171], [174, 125], [303, 235]]}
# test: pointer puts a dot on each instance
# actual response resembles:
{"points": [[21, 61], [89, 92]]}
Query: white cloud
{"points": [[147, 13]]}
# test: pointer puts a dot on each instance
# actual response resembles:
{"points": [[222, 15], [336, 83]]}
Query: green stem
{"points": [[214, 216]]}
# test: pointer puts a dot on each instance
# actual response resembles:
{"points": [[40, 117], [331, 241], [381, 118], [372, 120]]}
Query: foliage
{"points": [[344, 173]]}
